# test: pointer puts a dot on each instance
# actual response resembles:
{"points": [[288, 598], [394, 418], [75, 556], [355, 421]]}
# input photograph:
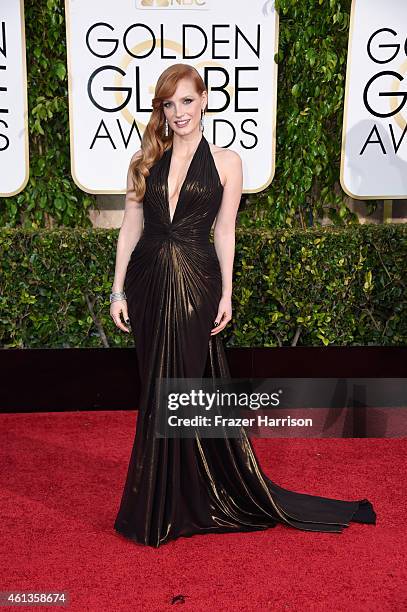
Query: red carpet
{"points": [[61, 479]]}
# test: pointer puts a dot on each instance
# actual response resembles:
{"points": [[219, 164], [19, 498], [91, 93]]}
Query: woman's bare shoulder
{"points": [[223, 151], [224, 159]]}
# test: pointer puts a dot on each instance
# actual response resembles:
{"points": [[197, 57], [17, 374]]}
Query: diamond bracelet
{"points": [[117, 295]]}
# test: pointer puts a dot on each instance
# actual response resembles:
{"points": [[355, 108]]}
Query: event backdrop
{"points": [[116, 51], [374, 144], [13, 99]]}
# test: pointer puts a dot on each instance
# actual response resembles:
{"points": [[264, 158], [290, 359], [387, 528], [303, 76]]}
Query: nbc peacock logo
{"points": [[156, 4]]}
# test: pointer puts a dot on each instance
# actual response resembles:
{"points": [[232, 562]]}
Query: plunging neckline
{"points": [[167, 197]]}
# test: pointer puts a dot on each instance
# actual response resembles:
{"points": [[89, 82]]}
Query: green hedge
{"points": [[321, 286], [311, 76]]}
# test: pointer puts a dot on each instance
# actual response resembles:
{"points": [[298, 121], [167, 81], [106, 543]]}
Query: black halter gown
{"points": [[182, 487]]}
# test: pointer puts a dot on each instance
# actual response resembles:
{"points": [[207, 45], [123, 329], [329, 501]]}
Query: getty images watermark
{"points": [[270, 407], [224, 402]]}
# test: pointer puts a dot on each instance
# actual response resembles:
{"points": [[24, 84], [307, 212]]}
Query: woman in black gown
{"points": [[177, 297]]}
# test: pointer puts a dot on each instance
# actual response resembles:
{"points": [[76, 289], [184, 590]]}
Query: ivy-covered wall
{"points": [[312, 65], [51, 198]]}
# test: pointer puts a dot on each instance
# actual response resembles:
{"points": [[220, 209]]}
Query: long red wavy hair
{"points": [[154, 143]]}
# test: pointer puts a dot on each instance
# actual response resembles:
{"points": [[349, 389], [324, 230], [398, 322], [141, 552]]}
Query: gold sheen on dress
{"points": [[182, 487]]}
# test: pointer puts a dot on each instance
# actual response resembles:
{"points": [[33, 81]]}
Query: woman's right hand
{"points": [[118, 308]]}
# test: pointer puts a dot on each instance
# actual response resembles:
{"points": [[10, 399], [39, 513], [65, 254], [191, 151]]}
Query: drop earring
{"points": [[166, 127], [202, 120]]}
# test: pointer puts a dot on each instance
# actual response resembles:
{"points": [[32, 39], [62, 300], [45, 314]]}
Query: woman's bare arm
{"points": [[130, 232], [224, 234]]}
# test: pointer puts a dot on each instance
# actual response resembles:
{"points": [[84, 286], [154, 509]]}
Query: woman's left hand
{"points": [[224, 315]]}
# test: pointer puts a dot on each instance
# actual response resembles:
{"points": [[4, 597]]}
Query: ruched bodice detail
{"points": [[198, 203]]}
